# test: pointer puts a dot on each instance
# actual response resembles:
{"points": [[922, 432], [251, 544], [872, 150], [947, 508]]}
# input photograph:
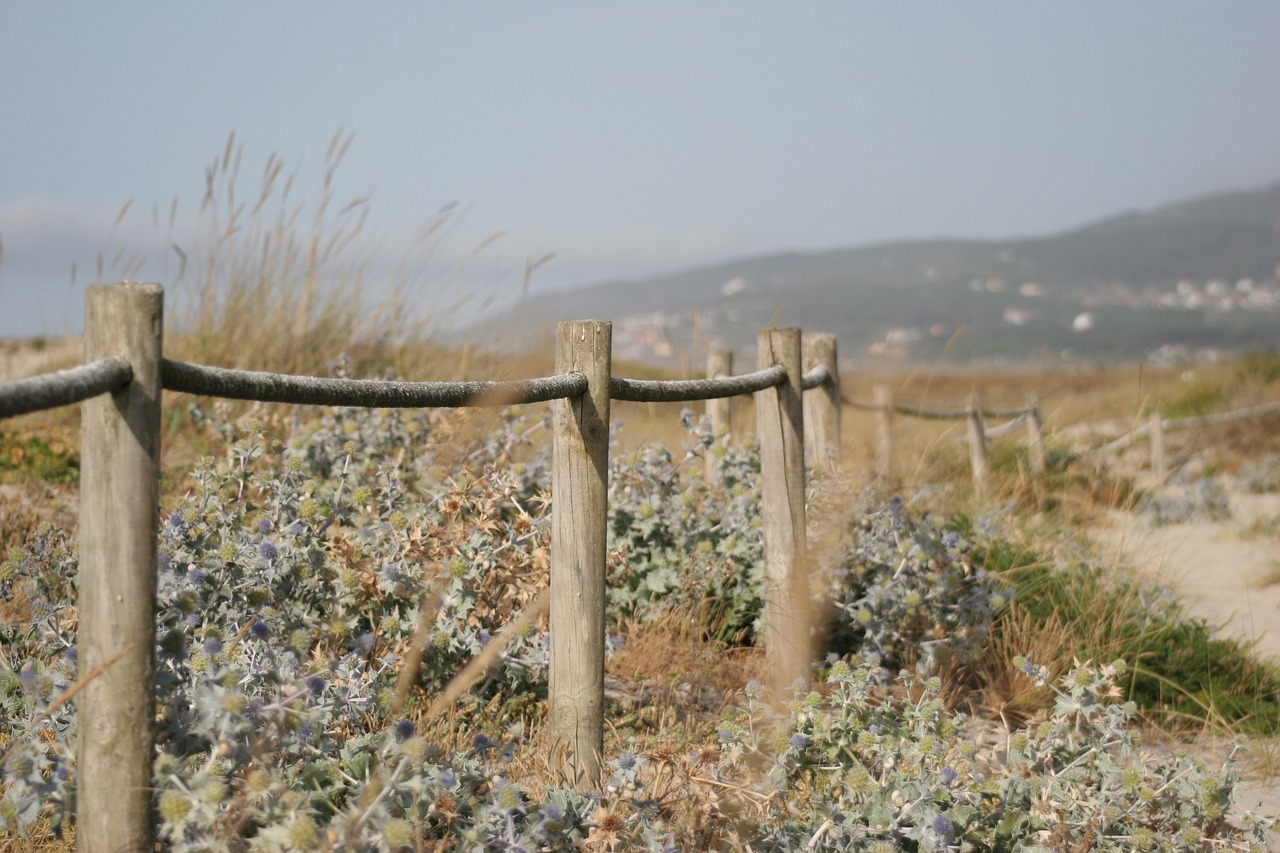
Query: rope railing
{"points": [[367, 393], [119, 506], [64, 387], [815, 378], [1221, 418], [931, 414], [1008, 427], [690, 390]]}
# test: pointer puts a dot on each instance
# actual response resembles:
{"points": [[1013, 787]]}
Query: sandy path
{"points": [[1220, 570]]}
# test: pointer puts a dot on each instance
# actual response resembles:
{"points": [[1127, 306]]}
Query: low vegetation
{"points": [[985, 682]]}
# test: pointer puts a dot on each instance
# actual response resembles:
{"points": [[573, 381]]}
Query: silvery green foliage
{"points": [[291, 579], [1205, 500], [853, 771], [1260, 476], [904, 590], [688, 539]]}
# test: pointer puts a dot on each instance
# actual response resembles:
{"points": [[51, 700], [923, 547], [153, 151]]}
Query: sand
{"points": [[1222, 572]]}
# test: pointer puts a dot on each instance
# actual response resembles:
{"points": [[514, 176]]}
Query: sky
{"points": [[624, 139]]}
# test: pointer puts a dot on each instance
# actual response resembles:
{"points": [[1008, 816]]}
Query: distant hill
{"points": [[1181, 281]]}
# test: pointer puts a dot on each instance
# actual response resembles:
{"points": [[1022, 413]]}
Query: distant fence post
{"points": [[883, 398], [1035, 436], [119, 509], [822, 404], [780, 424], [977, 446], [579, 506], [720, 363], [1159, 464]]}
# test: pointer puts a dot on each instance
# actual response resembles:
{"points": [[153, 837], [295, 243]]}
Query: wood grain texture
{"points": [[883, 400], [822, 404], [1035, 437], [977, 446], [119, 507], [579, 477], [720, 363], [780, 425]]}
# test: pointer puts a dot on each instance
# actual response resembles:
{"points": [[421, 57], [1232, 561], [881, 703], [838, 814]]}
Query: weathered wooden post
{"points": [[780, 424], [579, 494], [1035, 436], [977, 446], [883, 399], [1159, 465], [720, 363], [119, 508], [822, 404]]}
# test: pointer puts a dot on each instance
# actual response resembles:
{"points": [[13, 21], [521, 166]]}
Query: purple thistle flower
{"points": [[264, 525], [315, 684], [176, 522], [404, 729], [364, 643], [798, 741], [195, 577], [261, 630], [948, 775], [482, 742], [212, 645], [551, 811], [27, 678], [72, 654], [626, 761], [267, 550], [943, 826]]}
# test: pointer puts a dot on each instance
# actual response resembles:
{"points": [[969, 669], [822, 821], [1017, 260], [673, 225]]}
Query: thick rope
{"points": [[367, 393], [816, 377], [65, 387], [683, 391]]}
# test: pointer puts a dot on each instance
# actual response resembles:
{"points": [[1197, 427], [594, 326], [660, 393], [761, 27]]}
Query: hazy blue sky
{"points": [[625, 139]]}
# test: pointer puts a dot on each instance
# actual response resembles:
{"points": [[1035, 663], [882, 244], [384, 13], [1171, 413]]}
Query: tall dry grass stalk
{"points": [[272, 282]]}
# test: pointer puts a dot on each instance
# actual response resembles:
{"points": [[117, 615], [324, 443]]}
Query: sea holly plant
{"points": [[905, 591], [293, 577], [856, 768], [687, 537]]}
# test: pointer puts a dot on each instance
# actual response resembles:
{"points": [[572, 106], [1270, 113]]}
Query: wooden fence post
{"points": [[780, 424], [720, 363], [579, 495], [119, 509], [822, 404], [1159, 465], [977, 446], [1035, 436], [883, 398]]}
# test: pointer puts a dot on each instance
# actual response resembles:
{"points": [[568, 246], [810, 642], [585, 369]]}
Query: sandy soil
{"points": [[1221, 570], [19, 359]]}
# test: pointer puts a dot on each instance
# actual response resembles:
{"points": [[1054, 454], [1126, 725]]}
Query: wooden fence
{"points": [[121, 385]]}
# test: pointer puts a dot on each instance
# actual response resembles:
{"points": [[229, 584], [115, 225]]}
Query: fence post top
{"points": [[149, 287]]}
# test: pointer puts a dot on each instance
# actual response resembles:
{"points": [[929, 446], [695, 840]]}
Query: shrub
{"points": [[1204, 501], [855, 773], [1261, 476], [905, 590]]}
